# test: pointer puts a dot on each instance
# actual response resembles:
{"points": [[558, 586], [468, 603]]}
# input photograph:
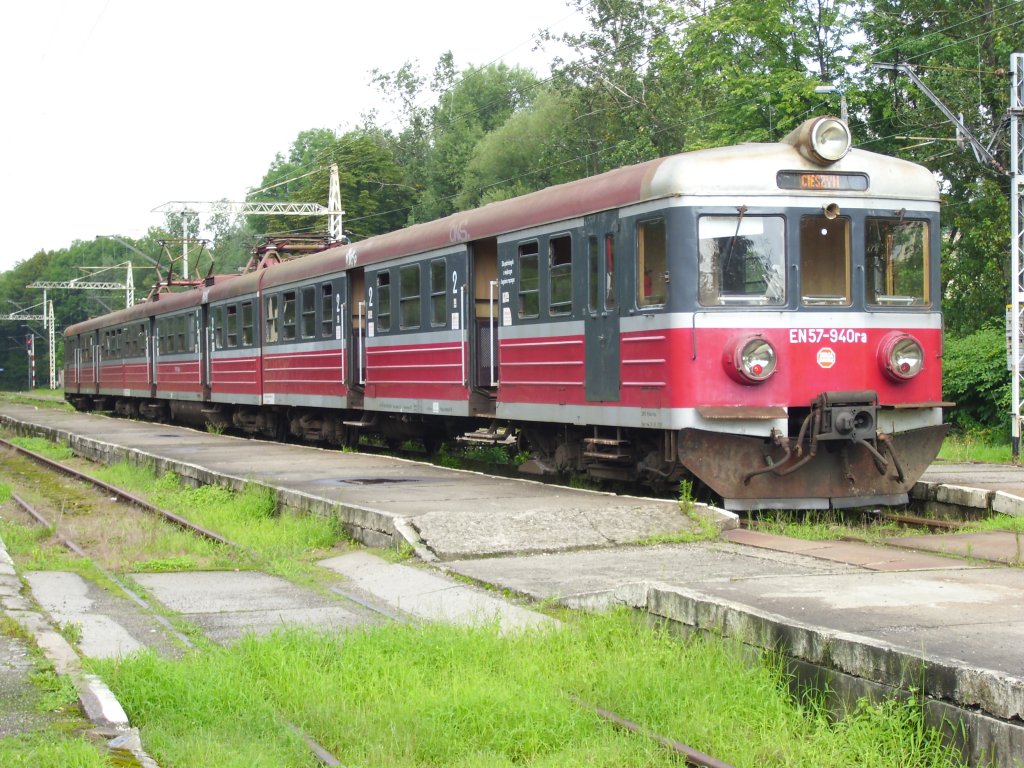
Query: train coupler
{"points": [[848, 417]]}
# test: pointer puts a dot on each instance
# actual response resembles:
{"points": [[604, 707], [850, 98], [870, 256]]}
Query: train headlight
{"points": [[830, 139], [900, 356], [751, 360], [822, 140]]}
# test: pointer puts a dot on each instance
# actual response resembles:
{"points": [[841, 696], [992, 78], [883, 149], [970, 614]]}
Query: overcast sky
{"points": [[112, 107]]}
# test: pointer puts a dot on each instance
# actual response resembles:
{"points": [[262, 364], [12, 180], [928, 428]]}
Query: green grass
{"points": [[280, 542], [30, 547], [827, 525], [44, 447], [53, 750], [39, 398], [1011, 523], [463, 456], [56, 744], [438, 695], [969, 448]]}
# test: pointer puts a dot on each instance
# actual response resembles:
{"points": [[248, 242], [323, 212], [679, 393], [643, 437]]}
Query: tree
{"points": [[746, 71], [611, 88], [374, 193], [960, 50], [522, 155]]}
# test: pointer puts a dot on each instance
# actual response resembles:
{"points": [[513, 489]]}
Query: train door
{"points": [[451, 304], [151, 355], [483, 318], [72, 364], [95, 361], [205, 344], [353, 310], [601, 316], [334, 319]]}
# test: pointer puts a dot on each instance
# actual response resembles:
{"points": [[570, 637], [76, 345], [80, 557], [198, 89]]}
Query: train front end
{"points": [[812, 370]]}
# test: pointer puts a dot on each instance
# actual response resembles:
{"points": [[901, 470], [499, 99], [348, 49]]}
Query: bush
{"points": [[976, 379]]}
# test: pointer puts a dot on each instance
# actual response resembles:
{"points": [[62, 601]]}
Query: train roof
{"points": [[741, 172], [744, 172]]}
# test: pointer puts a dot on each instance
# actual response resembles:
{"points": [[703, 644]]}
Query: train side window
{"points": [[593, 273], [271, 309], [409, 296], [217, 320], [742, 260], [231, 326], [598, 274], [383, 302], [560, 275], [247, 324], [438, 293], [529, 280], [326, 310], [288, 317], [308, 296], [824, 261], [897, 263], [651, 263], [182, 343]]}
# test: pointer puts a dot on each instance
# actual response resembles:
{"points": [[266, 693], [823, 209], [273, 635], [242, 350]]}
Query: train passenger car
{"points": [[764, 318]]}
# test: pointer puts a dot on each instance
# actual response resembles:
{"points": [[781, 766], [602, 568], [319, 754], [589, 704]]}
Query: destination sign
{"points": [[856, 182]]}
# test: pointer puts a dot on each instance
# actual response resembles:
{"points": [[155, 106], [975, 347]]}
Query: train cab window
{"points": [[651, 263], [288, 317], [247, 324], [742, 260], [438, 293], [897, 263], [271, 307], [326, 310], [824, 261], [231, 326], [383, 302], [409, 295], [529, 280], [560, 275], [308, 312]]}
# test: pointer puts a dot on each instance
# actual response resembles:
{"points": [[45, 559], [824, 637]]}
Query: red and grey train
{"points": [[762, 318]]}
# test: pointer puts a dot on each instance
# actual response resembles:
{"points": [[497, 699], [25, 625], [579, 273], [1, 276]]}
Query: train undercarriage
{"points": [[832, 456]]}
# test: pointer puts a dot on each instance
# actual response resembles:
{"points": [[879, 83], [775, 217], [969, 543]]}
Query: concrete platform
{"points": [[427, 596], [993, 546], [990, 477], [226, 605], [85, 610]]}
